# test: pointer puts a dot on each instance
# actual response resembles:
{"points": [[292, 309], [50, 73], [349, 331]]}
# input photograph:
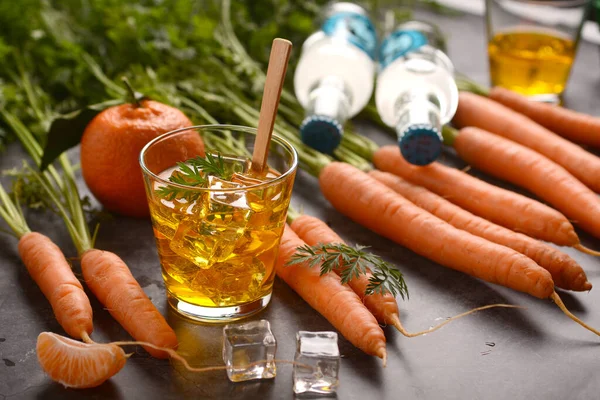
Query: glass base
{"points": [[217, 314]]}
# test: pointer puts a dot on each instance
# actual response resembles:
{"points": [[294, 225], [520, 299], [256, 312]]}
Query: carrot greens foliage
{"points": [[353, 262]]}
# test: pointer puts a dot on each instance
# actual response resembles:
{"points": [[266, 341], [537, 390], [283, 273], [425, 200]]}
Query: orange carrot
{"points": [[112, 283], [481, 112], [383, 307], [313, 231], [382, 210], [495, 204], [336, 302], [49, 269], [565, 271], [532, 171], [573, 125]]}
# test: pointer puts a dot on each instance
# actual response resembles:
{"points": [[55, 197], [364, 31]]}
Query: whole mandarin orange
{"points": [[111, 145]]}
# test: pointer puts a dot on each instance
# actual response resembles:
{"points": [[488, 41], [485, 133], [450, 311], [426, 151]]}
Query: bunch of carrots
{"points": [[498, 140]]}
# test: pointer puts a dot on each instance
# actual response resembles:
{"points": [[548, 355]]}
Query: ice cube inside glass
{"points": [[217, 230], [249, 351], [318, 363]]}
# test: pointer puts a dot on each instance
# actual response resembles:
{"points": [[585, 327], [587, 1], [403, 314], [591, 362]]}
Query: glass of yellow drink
{"points": [[532, 44], [217, 228]]}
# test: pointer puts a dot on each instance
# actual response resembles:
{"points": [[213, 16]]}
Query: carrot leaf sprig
{"points": [[171, 193], [210, 165], [351, 262], [193, 172]]}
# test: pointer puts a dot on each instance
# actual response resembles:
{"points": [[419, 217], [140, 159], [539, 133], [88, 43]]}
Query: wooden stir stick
{"points": [[278, 62]]}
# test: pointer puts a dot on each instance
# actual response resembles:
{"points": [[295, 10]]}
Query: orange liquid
{"points": [[220, 251]]}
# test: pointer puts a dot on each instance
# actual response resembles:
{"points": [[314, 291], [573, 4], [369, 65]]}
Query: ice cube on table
{"points": [[318, 363], [246, 343]]}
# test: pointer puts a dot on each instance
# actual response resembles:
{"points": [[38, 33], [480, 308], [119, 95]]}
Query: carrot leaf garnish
{"points": [[210, 165], [352, 262], [194, 173], [188, 175], [172, 193]]}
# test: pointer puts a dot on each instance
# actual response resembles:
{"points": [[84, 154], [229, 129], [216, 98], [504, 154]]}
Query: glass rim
{"points": [[240, 128], [555, 3]]}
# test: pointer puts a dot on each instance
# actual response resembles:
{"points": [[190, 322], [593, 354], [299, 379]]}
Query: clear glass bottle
{"points": [[335, 74], [416, 93]]}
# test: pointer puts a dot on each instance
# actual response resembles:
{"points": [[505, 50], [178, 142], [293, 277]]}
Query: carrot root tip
{"points": [[85, 337], [585, 250], [396, 320], [383, 356], [558, 301], [398, 325]]}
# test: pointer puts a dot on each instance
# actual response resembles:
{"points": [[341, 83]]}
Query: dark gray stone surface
{"points": [[537, 354]]}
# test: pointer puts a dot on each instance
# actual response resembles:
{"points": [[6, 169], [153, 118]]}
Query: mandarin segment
{"points": [[75, 364]]}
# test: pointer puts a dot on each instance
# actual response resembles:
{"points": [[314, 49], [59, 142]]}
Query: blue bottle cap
{"points": [[321, 133], [420, 144]]}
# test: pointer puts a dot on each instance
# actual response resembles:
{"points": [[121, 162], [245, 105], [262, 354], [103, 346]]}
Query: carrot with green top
{"points": [[481, 112], [48, 267], [124, 298], [565, 271]]}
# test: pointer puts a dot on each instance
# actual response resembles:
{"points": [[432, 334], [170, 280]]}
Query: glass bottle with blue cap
{"points": [[416, 93], [335, 75]]}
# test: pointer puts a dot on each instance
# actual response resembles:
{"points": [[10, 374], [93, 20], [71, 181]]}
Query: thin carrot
{"points": [[481, 112], [565, 271], [524, 167], [501, 206], [110, 280], [382, 210], [383, 307], [578, 127], [336, 302], [49, 269]]}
